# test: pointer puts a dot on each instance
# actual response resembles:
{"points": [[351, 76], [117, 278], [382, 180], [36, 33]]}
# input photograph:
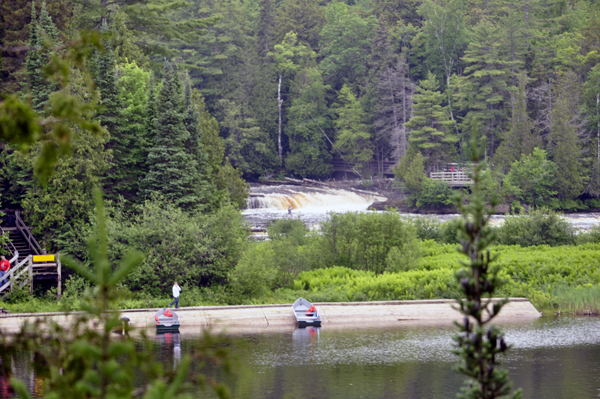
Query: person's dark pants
{"points": [[176, 302]]}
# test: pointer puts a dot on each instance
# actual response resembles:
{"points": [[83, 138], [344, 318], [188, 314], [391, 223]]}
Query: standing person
{"points": [[4, 267], [290, 210], [176, 291]]}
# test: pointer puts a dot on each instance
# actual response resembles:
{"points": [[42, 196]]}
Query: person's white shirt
{"points": [[176, 291]]}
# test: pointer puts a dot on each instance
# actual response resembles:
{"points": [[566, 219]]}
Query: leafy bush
{"points": [[195, 250], [539, 227], [433, 194], [427, 228], [531, 179], [430, 228], [255, 273], [364, 240], [292, 229]]}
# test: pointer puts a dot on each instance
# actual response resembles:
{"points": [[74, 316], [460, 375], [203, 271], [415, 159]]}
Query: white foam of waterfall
{"points": [[310, 204], [318, 201]]}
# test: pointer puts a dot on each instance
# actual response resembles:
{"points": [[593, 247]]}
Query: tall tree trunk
{"points": [[598, 129], [279, 103], [527, 21]]}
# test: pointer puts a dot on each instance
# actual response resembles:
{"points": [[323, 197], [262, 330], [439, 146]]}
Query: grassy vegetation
{"points": [[404, 260]]}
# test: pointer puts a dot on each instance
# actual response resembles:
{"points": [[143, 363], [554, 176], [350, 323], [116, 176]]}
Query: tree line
{"points": [[287, 87]]}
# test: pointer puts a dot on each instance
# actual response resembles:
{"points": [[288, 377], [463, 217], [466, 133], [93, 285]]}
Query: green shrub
{"points": [[591, 236], [195, 250], [291, 229], [255, 273], [427, 228], [430, 228], [363, 241], [433, 194], [539, 227]]}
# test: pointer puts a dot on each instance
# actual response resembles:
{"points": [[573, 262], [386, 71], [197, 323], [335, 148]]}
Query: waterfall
{"points": [[309, 204], [279, 198]]}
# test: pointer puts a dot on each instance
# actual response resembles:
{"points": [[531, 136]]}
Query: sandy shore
{"points": [[274, 317]]}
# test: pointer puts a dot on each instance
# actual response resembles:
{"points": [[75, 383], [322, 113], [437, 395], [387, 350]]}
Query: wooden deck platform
{"points": [[454, 179]]}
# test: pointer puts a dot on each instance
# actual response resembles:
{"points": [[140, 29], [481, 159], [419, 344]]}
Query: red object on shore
{"points": [[311, 311], [168, 313]]}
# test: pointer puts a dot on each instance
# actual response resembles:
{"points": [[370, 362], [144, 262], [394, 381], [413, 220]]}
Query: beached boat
{"points": [[306, 313], [166, 321]]}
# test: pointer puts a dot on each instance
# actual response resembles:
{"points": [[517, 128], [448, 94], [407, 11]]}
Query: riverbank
{"points": [[376, 313]]}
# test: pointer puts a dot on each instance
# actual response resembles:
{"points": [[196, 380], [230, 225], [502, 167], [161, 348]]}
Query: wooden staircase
{"points": [[28, 260]]}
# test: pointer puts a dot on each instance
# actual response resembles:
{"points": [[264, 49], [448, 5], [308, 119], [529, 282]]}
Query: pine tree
{"points": [[133, 130], [520, 139], [191, 120], [172, 170], [15, 31], [308, 123], [592, 104], [430, 123], [266, 28], [483, 90], [42, 34], [564, 145], [352, 136], [104, 69]]}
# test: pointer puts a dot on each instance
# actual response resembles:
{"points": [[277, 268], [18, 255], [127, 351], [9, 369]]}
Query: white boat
{"points": [[306, 313], [167, 321]]}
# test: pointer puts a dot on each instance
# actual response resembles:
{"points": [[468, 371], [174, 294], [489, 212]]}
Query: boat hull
{"points": [[306, 314], [160, 329], [316, 323]]}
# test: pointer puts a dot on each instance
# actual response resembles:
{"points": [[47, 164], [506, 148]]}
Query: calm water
{"points": [[552, 358]]}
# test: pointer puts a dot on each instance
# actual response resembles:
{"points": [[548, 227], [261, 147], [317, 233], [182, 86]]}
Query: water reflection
{"points": [[555, 358], [169, 345]]}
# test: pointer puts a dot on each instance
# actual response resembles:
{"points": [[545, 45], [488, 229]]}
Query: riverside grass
{"points": [[561, 278]]}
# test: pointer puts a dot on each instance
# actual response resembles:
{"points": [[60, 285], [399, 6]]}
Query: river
{"points": [[311, 205], [552, 358]]}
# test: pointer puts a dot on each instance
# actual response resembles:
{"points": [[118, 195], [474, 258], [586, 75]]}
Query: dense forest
{"points": [[171, 106], [296, 84]]}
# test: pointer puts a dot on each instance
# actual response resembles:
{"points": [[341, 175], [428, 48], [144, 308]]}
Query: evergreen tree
{"points": [[266, 28], [483, 89], [520, 139], [290, 56], [352, 136], [345, 47], [15, 31], [246, 144], [308, 125], [191, 120], [303, 17], [42, 35], [564, 139], [105, 76], [173, 172], [133, 93], [592, 104], [430, 123], [391, 91]]}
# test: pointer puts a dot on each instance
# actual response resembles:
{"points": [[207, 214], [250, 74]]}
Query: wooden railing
{"points": [[9, 245], [24, 230], [454, 179], [13, 274], [23, 272]]}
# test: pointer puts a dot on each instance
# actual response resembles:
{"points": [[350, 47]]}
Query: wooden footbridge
{"points": [[454, 179], [28, 261]]}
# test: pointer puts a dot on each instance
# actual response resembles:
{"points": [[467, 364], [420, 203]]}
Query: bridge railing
{"points": [[24, 230], [22, 273], [459, 178]]}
